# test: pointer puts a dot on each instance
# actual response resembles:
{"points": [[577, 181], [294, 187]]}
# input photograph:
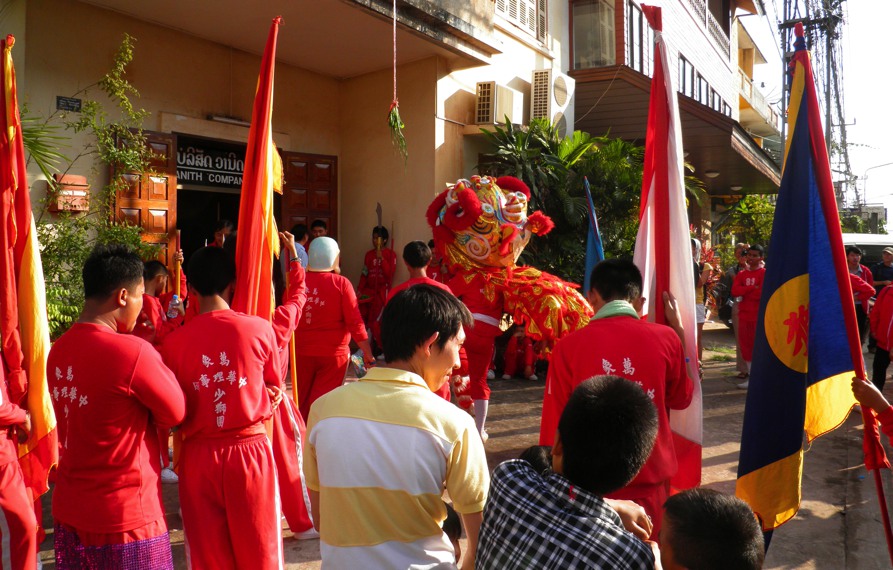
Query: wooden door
{"points": [[149, 200], [310, 191]]}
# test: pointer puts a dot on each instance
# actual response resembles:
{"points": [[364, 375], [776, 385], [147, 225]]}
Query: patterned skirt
{"points": [[71, 554]]}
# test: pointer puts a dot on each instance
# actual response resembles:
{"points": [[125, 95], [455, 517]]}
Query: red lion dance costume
{"points": [[480, 228]]}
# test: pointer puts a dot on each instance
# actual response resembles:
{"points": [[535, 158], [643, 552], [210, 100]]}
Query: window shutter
{"points": [[541, 20]]}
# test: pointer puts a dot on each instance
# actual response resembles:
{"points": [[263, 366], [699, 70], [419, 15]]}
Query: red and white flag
{"points": [[663, 245]]}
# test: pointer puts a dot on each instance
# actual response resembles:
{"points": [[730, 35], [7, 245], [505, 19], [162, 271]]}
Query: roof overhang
{"points": [[337, 38], [614, 101]]}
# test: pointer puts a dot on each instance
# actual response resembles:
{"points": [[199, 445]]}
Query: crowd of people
{"points": [[140, 372]]}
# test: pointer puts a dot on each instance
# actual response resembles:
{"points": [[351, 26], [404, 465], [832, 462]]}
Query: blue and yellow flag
{"points": [[807, 347]]}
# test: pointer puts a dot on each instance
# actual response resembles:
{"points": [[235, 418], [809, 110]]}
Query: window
{"points": [[686, 77], [702, 90], [528, 15], [593, 29], [640, 50]]}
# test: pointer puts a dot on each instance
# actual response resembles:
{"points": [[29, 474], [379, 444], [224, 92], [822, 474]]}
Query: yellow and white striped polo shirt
{"points": [[379, 452]]}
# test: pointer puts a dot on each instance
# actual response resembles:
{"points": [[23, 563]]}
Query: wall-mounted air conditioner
{"points": [[552, 97], [496, 102]]}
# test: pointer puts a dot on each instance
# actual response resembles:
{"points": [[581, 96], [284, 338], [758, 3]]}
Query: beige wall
{"points": [[371, 171], [70, 44]]}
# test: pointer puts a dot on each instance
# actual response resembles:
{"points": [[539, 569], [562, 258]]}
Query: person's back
{"points": [[617, 342], [380, 451], [108, 391], [559, 519], [223, 359], [227, 365], [330, 315]]}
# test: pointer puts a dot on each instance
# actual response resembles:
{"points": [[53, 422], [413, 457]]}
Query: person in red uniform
{"points": [[288, 425], [748, 286], [228, 367], [110, 391], [479, 346], [379, 266], [222, 230], [153, 325], [519, 356], [618, 342], [436, 269], [331, 318], [853, 257], [417, 257], [18, 525]]}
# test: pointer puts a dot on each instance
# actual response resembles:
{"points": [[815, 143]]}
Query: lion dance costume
{"points": [[480, 228]]}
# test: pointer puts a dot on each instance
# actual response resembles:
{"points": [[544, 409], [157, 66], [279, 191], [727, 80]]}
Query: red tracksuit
{"points": [[646, 353], [518, 355], [223, 361], [288, 425], [748, 284], [18, 525], [480, 339], [331, 317], [108, 391], [375, 282]]}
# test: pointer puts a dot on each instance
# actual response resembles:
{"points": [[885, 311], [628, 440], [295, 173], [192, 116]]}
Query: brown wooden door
{"points": [[310, 191], [149, 200]]}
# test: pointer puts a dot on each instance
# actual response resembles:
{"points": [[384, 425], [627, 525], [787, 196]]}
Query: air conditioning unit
{"points": [[552, 97], [496, 102]]}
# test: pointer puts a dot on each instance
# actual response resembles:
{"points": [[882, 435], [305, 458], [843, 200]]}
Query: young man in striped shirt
{"points": [[387, 442]]}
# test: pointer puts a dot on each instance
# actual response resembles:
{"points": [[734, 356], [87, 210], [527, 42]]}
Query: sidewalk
{"points": [[838, 525]]}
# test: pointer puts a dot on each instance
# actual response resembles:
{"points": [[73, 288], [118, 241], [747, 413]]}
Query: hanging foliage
{"points": [[395, 123]]}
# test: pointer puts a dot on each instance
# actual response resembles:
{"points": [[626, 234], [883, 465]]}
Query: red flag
{"points": [[23, 316], [258, 239], [663, 245]]}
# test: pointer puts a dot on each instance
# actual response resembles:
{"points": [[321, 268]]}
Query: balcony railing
{"points": [[714, 30], [755, 99]]}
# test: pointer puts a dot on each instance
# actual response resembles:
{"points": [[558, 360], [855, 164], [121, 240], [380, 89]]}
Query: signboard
{"points": [[68, 104], [207, 162]]}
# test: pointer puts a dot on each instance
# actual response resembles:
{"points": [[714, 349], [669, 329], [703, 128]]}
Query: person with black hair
{"points": [[227, 365], [107, 390], [616, 341], [861, 299], [376, 279], [318, 228], [748, 286], [153, 325], [416, 255], [436, 269], [705, 529], [560, 519], [389, 443], [302, 238], [452, 527], [222, 230]]}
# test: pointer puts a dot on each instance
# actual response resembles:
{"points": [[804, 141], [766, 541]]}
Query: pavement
{"points": [[838, 526]]}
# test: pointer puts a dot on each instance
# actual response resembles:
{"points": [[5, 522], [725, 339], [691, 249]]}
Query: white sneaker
{"points": [[533, 377], [308, 534], [743, 385], [506, 376], [168, 476], [490, 374]]}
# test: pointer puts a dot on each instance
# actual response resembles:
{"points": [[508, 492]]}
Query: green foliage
{"points": [[748, 221], [67, 238], [554, 168]]}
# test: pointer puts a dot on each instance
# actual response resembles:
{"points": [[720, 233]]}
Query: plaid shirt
{"points": [[535, 521]]}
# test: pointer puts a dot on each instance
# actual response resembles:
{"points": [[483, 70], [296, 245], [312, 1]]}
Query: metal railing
{"points": [[756, 100], [714, 30]]}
